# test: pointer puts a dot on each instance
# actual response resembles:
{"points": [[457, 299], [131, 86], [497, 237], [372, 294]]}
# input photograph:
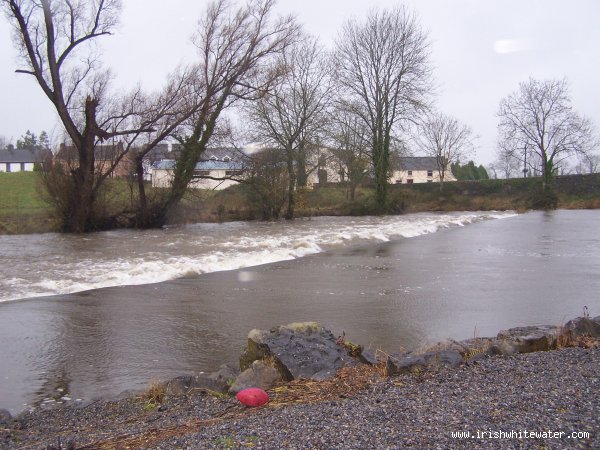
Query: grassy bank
{"points": [[23, 210]]}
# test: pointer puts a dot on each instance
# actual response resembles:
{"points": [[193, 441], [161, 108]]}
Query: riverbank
{"points": [[555, 391], [23, 210]]}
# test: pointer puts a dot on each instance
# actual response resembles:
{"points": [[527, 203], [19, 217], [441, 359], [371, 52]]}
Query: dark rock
{"points": [[185, 385], [582, 326], [400, 363], [259, 375], [299, 350], [226, 374], [403, 363], [447, 358], [366, 356], [526, 340], [5, 417]]}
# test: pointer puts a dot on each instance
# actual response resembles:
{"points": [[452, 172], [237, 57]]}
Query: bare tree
{"points": [[383, 66], [167, 111], [267, 180], [446, 139], [54, 39], [235, 51], [292, 115], [539, 127], [350, 144], [505, 166]]}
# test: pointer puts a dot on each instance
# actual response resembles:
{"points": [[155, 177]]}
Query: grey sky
{"points": [[481, 50]]}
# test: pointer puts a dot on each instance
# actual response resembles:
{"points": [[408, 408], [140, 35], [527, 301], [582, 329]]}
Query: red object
{"points": [[253, 397]]}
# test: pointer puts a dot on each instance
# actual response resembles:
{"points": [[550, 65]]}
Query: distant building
{"points": [[419, 169], [217, 170], [22, 160], [107, 157]]}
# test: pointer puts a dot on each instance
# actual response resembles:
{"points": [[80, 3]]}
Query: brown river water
{"points": [[391, 283]]}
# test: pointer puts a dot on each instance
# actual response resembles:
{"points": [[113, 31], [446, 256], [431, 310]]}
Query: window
{"points": [[430, 181], [226, 159], [230, 173], [410, 181], [201, 173], [214, 158], [430, 173], [410, 172], [399, 181]]}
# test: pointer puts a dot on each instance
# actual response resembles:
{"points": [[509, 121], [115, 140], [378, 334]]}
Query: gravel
{"points": [[555, 391]]}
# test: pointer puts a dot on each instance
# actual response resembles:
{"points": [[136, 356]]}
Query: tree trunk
{"points": [[291, 203], [302, 177], [381, 163], [353, 187]]}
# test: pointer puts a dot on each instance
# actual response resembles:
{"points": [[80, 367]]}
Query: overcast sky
{"points": [[481, 50]]}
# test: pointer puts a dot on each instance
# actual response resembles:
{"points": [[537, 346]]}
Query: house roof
{"points": [[27, 155], [418, 163], [160, 151], [212, 154], [101, 152], [169, 164]]}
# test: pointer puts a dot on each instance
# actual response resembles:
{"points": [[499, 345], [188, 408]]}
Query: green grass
{"points": [[20, 194]]}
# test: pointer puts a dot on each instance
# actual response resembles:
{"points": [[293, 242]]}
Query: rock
{"points": [[582, 326], [226, 374], [366, 356], [526, 340], [403, 363], [399, 363], [258, 375], [299, 350], [185, 385], [5, 417]]}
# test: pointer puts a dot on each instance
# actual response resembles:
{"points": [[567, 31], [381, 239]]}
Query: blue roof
{"points": [[169, 164]]}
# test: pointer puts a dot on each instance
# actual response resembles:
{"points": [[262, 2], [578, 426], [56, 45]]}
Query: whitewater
{"points": [[49, 264]]}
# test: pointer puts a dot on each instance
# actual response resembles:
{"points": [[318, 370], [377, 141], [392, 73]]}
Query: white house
{"points": [[21, 160], [217, 171], [419, 169]]}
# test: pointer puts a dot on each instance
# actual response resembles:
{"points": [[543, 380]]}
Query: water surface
{"points": [[536, 268]]}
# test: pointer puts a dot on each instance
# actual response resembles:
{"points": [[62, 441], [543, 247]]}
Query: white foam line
{"points": [[237, 253]]}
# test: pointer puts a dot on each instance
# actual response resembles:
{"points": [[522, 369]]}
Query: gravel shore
{"points": [[544, 392]]}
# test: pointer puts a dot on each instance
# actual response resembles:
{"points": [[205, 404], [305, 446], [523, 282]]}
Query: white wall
{"points": [[420, 176], [163, 178]]}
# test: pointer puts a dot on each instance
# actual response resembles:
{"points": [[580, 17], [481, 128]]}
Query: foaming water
{"points": [[48, 264]]}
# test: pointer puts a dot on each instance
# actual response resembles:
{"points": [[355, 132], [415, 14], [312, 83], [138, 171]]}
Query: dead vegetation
{"points": [[348, 382]]}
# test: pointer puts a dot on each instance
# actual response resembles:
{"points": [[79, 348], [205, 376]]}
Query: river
{"points": [[111, 311]]}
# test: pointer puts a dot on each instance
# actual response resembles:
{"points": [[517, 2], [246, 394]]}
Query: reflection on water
{"points": [[532, 269]]}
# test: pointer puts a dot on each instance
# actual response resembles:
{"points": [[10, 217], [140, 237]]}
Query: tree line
{"points": [[368, 100]]}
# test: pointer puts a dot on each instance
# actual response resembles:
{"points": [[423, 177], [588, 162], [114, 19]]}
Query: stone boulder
{"points": [[407, 363], [191, 384], [583, 326], [226, 374], [258, 375], [526, 340], [5, 418], [299, 350]]}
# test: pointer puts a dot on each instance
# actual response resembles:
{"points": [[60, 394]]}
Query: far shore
{"points": [[26, 212]]}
